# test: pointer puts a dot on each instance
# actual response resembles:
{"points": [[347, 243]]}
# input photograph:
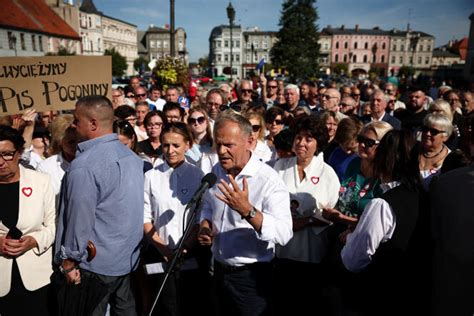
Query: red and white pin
{"points": [[315, 180], [27, 191]]}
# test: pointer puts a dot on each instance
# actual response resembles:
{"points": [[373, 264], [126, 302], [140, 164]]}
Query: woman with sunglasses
{"points": [[435, 131], [169, 187], [359, 186], [274, 123], [150, 148], [198, 122], [258, 146]]}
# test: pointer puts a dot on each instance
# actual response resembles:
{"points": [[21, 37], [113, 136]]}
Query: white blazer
{"points": [[36, 218]]}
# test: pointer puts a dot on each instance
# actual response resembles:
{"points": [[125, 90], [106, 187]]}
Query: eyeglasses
{"points": [[211, 104], [388, 91], [246, 90], [140, 95], [8, 155], [131, 95], [272, 87], [327, 96], [433, 131], [151, 125], [199, 120], [355, 95], [277, 122], [367, 141], [256, 128]]}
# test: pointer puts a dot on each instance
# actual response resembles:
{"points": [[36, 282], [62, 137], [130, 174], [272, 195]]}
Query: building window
{"points": [[90, 22], [402, 48], [411, 60], [382, 59], [365, 58], [419, 60], [346, 45], [383, 46], [401, 59], [255, 45], [354, 58], [337, 45], [226, 57], [226, 43], [219, 58], [237, 44], [10, 41], [248, 58], [218, 43], [427, 61], [264, 44], [422, 48], [345, 58], [99, 48], [366, 45], [152, 44], [22, 41], [394, 47], [33, 42], [237, 58], [40, 42], [393, 59], [336, 58], [429, 48], [165, 44], [326, 46], [355, 45]]}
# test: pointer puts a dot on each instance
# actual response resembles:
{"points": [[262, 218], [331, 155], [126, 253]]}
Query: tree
{"points": [[297, 49], [204, 62], [171, 71], [62, 51], [139, 63], [119, 63], [406, 71]]}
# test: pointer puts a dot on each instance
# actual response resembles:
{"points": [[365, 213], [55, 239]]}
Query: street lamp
{"points": [[414, 38], [231, 17], [251, 49], [13, 42]]}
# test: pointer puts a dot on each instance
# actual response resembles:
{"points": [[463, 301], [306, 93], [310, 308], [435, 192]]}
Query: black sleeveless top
{"points": [[10, 203]]}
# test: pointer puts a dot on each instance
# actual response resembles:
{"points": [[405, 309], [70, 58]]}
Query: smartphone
{"points": [[14, 233]]}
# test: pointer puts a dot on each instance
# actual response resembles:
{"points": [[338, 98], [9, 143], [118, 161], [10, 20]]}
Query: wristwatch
{"points": [[251, 214], [66, 271]]}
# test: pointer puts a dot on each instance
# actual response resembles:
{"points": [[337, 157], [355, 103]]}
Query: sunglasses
{"points": [[272, 87], [433, 131], [256, 128], [246, 90], [199, 120], [140, 95], [277, 122], [367, 141], [327, 96]]}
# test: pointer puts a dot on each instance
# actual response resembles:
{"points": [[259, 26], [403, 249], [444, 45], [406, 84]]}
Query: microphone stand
{"points": [[192, 207]]}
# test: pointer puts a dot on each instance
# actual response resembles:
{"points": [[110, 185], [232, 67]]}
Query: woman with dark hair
{"points": [[169, 187], [386, 243], [126, 134], [27, 230], [274, 123], [198, 122], [313, 185], [150, 148]]}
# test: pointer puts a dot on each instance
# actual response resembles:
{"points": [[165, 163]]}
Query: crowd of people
{"points": [[330, 199]]}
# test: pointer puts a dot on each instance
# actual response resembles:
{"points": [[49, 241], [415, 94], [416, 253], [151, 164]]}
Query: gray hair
{"points": [[293, 87], [234, 117], [440, 105], [440, 120], [386, 97]]}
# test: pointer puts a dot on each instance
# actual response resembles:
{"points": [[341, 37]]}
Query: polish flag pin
{"points": [[27, 191]]}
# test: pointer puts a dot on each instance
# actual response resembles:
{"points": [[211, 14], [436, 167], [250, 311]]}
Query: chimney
{"points": [[357, 28], [342, 27]]}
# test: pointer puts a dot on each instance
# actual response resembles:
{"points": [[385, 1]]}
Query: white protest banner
{"points": [[52, 82]]}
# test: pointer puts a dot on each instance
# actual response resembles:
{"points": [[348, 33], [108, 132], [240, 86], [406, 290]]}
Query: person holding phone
{"points": [[27, 231]]}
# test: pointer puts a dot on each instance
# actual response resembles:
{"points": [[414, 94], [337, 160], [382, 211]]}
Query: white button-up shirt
{"points": [[167, 192], [235, 241], [56, 167]]}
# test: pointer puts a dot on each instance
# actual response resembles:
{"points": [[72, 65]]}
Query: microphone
{"points": [[207, 182]]}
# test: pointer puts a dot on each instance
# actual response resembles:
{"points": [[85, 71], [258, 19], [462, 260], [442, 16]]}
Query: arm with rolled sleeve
{"points": [[45, 237], [376, 225], [79, 213], [277, 225], [148, 213]]}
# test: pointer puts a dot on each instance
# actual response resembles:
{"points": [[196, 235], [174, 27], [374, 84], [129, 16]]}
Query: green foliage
{"points": [[204, 62], [405, 72], [340, 69], [171, 71], [119, 63], [376, 72], [137, 64], [297, 49]]}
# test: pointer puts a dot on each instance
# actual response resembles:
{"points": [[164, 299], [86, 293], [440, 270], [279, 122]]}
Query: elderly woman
{"points": [[442, 107], [169, 187], [360, 185], [435, 132], [313, 185], [258, 146], [27, 230], [200, 126]]}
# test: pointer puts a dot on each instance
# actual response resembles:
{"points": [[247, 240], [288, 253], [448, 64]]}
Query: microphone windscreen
{"points": [[210, 178]]}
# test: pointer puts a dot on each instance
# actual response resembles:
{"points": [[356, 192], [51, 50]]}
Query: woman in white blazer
{"points": [[28, 207]]}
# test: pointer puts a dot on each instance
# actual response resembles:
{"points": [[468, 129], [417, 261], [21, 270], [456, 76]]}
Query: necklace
{"points": [[435, 155]]}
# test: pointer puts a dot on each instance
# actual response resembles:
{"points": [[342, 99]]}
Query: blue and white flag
{"points": [[260, 64]]}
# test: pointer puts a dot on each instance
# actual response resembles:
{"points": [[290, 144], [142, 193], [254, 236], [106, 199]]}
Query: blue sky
{"points": [[445, 20]]}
